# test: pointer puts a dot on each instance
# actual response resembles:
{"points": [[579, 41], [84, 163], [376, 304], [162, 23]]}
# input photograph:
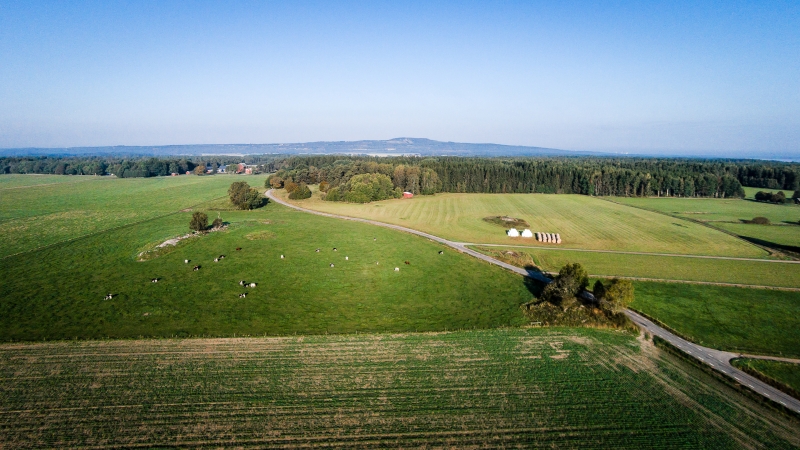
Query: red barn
{"points": [[407, 195]]}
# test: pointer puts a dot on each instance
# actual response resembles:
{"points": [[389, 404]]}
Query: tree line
{"points": [[567, 175], [123, 167]]}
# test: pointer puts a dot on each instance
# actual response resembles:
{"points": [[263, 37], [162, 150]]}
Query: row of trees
{"points": [[128, 167], [589, 176]]}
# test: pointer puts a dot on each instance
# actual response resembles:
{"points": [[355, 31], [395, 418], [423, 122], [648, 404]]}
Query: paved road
{"points": [[717, 359], [672, 255]]}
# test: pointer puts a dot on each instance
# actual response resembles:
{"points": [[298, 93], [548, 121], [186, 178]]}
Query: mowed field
{"points": [[758, 273], [533, 388], [36, 211], [583, 222], [58, 292]]}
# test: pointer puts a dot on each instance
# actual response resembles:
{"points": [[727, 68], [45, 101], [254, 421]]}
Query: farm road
{"points": [[717, 359]]}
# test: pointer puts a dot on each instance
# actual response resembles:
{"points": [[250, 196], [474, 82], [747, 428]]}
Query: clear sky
{"points": [[648, 77]]}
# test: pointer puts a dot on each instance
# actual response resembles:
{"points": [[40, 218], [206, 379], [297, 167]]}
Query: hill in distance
{"points": [[391, 147]]}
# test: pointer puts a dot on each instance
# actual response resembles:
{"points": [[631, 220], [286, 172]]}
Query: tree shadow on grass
{"points": [[763, 243], [536, 280]]}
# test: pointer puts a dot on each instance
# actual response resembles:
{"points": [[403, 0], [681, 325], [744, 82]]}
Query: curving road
{"points": [[717, 359]]}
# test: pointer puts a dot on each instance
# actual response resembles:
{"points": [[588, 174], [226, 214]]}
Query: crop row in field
{"points": [[532, 388], [66, 207], [582, 221], [759, 273]]}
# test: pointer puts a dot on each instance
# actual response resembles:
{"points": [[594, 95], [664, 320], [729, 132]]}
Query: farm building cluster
{"points": [[552, 238]]}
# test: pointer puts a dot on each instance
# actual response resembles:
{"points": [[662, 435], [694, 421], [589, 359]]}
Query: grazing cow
{"points": [[331, 264], [216, 259], [374, 239], [252, 285], [408, 263], [243, 295], [281, 256], [242, 283], [441, 252], [397, 269], [317, 250], [196, 268], [109, 296], [334, 249], [238, 248], [186, 261], [346, 258], [376, 263], [154, 280], [221, 256]]}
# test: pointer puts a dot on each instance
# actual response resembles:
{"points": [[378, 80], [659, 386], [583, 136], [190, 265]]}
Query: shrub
{"points": [[323, 187], [243, 196], [617, 297], [274, 182], [760, 221], [301, 192], [217, 223], [199, 221], [563, 290], [290, 186]]}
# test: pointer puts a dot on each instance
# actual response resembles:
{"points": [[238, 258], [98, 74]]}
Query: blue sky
{"points": [[650, 77]]}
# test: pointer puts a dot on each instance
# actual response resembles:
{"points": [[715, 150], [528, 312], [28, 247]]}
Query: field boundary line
{"points": [[118, 227], [711, 283], [621, 252]]}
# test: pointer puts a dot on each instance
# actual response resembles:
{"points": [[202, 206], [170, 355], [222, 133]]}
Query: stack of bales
{"points": [[550, 238]]}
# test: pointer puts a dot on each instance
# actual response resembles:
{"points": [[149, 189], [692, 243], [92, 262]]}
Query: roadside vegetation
{"points": [[757, 321], [781, 375]]}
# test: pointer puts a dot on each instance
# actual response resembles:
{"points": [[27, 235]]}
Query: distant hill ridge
{"points": [[391, 147]]}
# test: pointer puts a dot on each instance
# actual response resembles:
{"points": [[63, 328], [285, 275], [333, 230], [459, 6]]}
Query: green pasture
{"points": [[785, 373], [715, 209], [51, 209], [757, 321], [513, 388], [770, 235], [58, 292], [583, 222], [760, 273]]}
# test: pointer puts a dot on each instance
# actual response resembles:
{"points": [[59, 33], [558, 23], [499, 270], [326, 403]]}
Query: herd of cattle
{"points": [[246, 284]]}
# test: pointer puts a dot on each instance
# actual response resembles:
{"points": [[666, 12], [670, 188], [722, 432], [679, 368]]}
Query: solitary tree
{"points": [[199, 221], [563, 290], [199, 170], [217, 223], [243, 196]]}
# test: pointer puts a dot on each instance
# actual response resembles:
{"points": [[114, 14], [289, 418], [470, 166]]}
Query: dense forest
{"points": [[589, 176], [578, 175]]}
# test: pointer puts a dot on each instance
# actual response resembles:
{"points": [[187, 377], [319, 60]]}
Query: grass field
{"points": [[716, 210], [784, 373], [756, 321], [783, 235], [58, 292], [42, 210], [663, 267], [582, 221], [534, 388]]}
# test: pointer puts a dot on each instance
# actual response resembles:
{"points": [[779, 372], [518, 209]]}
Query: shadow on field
{"points": [[535, 281], [763, 243]]}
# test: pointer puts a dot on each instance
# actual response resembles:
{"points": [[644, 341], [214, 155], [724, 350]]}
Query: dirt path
{"points": [[719, 360]]}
